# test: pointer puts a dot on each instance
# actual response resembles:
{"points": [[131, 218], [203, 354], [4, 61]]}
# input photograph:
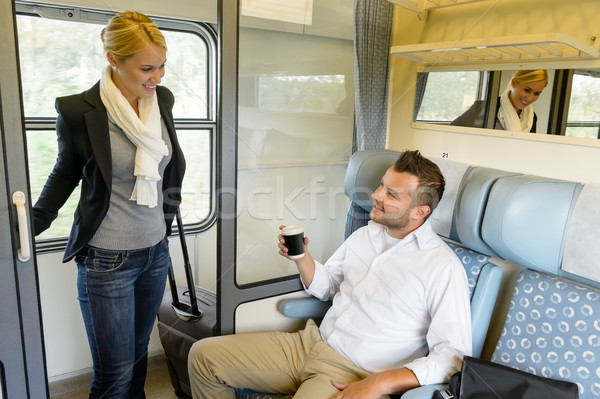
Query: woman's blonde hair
{"points": [[531, 76], [128, 32]]}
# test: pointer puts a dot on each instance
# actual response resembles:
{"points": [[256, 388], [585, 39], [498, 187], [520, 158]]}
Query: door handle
{"points": [[18, 199]]}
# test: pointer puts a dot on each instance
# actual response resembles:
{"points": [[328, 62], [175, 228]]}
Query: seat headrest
{"points": [[471, 204], [582, 252], [442, 218], [526, 220], [367, 167], [364, 173]]}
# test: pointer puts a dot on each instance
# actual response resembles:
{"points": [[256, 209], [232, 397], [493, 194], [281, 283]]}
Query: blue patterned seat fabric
{"points": [[552, 329], [472, 262]]}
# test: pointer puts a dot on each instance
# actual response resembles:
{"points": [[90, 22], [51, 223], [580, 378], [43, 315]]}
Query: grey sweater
{"points": [[128, 225]]}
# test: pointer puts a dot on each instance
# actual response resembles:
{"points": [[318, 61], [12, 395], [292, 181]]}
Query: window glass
{"points": [[41, 154], [187, 74], [296, 102], [584, 106], [55, 62], [196, 190], [447, 95], [59, 58], [322, 93]]}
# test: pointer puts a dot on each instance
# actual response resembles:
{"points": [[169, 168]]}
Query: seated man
{"points": [[400, 316]]}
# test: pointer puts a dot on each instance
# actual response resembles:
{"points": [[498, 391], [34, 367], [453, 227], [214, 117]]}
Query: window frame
{"points": [[558, 121], [205, 32], [568, 86], [483, 82]]}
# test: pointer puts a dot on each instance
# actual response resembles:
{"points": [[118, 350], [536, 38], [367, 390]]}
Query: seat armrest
{"points": [[424, 392], [482, 304], [304, 308]]}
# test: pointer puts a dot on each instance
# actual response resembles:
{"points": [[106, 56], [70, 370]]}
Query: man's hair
{"points": [[431, 181]]}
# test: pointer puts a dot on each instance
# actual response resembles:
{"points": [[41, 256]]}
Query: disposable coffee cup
{"points": [[294, 241]]}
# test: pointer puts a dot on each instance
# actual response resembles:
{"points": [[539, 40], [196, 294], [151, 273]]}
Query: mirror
{"points": [[569, 105]]}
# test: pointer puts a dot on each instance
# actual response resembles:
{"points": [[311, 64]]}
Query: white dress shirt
{"points": [[407, 306]]}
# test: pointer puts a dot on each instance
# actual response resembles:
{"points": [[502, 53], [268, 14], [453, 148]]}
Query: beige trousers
{"points": [[273, 362]]}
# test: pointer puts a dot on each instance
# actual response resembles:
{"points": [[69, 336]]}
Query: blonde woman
{"points": [[514, 110], [118, 141]]}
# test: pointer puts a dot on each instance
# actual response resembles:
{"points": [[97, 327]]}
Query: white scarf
{"points": [[145, 132], [510, 120]]}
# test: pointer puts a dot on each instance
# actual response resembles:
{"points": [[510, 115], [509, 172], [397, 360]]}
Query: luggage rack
{"points": [[534, 47], [426, 5]]}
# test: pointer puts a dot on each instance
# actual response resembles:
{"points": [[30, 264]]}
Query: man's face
{"points": [[392, 201]]}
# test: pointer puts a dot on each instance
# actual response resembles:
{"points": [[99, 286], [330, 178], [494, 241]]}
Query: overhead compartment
{"points": [[533, 47], [426, 5]]}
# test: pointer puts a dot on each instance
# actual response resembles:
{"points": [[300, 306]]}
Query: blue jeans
{"points": [[119, 295]]}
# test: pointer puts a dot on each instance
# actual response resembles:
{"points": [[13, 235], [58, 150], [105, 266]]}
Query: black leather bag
{"points": [[481, 379]]}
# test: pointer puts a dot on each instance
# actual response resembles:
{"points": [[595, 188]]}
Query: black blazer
{"points": [[84, 155]]}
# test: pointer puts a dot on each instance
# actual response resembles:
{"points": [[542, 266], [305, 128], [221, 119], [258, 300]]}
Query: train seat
{"points": [[552, 326], [581, 253], [363, 175], [549, 228], [526, 220], [471, 205], [545, 224], [362, 178], [552, 329]]}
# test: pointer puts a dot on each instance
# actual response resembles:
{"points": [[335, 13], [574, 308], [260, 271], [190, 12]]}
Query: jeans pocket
{"points": [[104, 261]]}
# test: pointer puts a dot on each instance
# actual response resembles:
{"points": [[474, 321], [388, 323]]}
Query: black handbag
{"points": [[481, 379]]}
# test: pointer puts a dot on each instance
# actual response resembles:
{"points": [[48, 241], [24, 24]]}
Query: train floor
{"points": [[158, 384]]}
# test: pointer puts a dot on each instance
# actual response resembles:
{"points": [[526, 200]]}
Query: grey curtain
{"points": [[372, 37], [421, 84]]}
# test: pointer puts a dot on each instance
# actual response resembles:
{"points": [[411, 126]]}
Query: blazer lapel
{"points": [[167, 115], [96, 121]]}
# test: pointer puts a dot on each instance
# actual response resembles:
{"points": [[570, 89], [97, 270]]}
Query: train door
{"points": [[284, 137], [22, 363], [286, 128]]}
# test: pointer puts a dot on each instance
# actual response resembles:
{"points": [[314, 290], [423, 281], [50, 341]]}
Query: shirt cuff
{"points": [[319, 287]]}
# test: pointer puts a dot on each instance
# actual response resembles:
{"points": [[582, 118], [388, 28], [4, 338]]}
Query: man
{"points": [[400, 316]]}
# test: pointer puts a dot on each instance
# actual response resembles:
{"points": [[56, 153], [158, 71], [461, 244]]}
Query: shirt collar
{"points": [[422, 235]]}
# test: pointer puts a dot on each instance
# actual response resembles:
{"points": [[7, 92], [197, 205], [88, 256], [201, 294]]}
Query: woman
{"points": [[118, 139], [514, 110]]}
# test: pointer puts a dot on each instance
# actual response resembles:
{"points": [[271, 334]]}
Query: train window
{"points": [[319, 93], [59, 57], [296, 122], [446, 95], [584, 107]]}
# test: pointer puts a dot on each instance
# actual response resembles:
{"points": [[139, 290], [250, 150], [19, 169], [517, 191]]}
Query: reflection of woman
{"points": [[514, 110], [118, 139]]}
